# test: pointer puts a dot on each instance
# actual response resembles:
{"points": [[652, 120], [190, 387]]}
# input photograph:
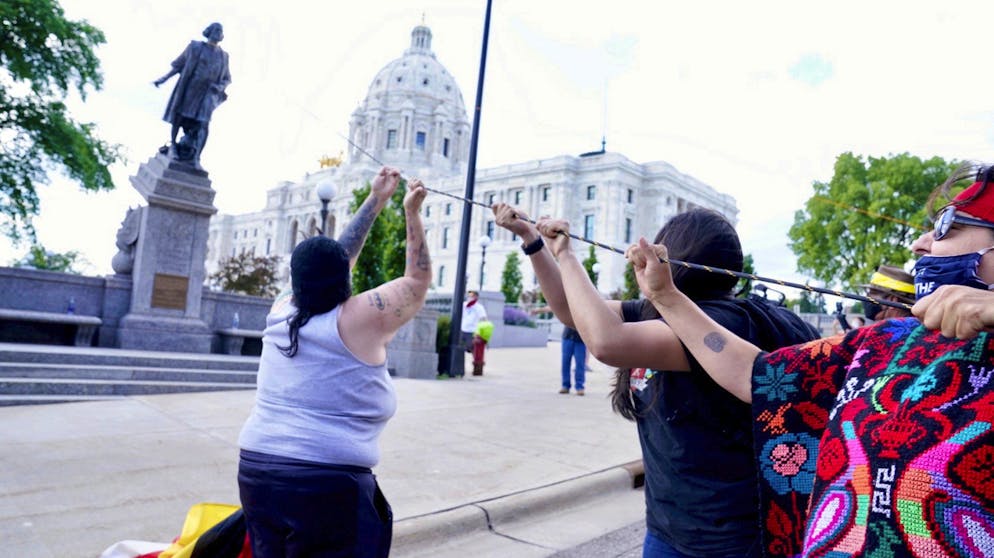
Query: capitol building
{"points": [[414, 118]]}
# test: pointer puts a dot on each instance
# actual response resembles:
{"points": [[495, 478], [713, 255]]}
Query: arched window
{"points": [[312, 227], [293, 236], [329, 226]]}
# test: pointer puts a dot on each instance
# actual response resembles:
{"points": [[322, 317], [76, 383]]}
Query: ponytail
{"points": [[297, 321]]}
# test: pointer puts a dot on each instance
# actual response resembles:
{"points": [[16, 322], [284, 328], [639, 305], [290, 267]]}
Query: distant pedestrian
{"points": [[324, 396], [473, 312], [573, 350]]}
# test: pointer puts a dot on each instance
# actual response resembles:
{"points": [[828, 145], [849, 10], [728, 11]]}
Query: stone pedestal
{"points": [[411, 352], [168, 274]]}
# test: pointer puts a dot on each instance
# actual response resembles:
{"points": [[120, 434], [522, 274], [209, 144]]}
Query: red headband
{"points": [[983, 206]]}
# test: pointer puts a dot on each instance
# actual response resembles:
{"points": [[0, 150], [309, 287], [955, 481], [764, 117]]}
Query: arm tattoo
{"points": [[714, 341], [424, 261], [376, 300], [355, 233]]}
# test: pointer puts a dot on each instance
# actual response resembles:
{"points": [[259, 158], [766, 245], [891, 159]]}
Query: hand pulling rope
{"points": [[671, 261]]}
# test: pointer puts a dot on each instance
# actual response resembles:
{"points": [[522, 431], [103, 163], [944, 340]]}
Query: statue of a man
{"points": [[203, 76]]}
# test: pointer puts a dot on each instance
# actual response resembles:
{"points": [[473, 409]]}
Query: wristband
{"points": [[532, 248]]}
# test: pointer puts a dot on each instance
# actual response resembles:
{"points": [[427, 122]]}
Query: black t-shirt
{"points": [[696, 438]]}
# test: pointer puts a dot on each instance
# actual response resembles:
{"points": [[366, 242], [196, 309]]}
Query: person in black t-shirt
{"points": [[701, 479]]}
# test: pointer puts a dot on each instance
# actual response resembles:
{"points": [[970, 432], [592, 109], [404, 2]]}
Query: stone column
{"points": [[168, 275]]}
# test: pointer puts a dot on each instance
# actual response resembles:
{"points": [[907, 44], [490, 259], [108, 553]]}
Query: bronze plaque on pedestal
{"points": [[169, 291]]}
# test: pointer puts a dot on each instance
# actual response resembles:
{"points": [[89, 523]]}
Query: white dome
{"points": [[413, 115], [415, 75]]}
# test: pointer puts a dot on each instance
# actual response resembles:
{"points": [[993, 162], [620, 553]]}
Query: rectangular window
{"points": [[545, 193], [445, 147], [448, 209], [491, 198], [391, 139], [517, 197], [419, 141], [427, 211], [591, 192], [631, 196], [628, 230], [441, 276], [588, 226], [445, 238], [269, 245], [255, 233], [490, 229]]}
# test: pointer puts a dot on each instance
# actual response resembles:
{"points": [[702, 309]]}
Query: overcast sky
{"points": [[754, 98]]}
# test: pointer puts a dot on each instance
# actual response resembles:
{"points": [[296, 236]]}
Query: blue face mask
{"points": [[932, 272]]}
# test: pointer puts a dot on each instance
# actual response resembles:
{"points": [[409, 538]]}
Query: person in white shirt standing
{"points": [[473, 313]]}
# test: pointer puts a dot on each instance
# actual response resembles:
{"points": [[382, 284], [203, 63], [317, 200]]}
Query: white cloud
{"points": [[705, 86]]}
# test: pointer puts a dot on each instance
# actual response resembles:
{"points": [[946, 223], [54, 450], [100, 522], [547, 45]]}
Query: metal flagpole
{"points": [[456, 356]]}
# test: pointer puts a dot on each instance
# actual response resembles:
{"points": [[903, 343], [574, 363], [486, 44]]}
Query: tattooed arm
{"points": [[382, 188], [373, 317], [726, 357]]}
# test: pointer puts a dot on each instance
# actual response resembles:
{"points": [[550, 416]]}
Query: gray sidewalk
{"points": [[464, 462]]}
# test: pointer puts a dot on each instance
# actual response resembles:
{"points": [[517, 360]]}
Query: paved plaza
{"points": [[467, 464]]}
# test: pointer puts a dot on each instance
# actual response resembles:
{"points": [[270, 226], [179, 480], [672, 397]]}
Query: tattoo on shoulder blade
{"points": [[714, 341]]}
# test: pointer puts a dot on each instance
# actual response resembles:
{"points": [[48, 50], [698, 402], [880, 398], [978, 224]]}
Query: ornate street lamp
{"points": [[483, 242], [325, 191]]}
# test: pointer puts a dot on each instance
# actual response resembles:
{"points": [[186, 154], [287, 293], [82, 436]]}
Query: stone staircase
{"points": [[34, 374]]}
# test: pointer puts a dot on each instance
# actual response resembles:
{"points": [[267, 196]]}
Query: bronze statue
{"points": [[203, 77]]}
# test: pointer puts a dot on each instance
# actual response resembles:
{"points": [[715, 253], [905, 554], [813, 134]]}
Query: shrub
{"points": [[442, 332], [517, 316]]}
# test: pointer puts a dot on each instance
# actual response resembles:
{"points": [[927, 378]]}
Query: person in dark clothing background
{"points": [[575, 351]]}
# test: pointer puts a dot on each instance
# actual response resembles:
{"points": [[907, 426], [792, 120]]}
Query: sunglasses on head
{"points": [[944, 221]]}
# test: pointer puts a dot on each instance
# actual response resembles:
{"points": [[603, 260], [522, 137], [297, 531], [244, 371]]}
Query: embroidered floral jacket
{"points": [[879, 443]]}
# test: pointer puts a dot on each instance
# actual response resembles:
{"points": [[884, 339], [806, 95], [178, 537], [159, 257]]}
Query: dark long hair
{"points": [[319, 275], [698, 236]]}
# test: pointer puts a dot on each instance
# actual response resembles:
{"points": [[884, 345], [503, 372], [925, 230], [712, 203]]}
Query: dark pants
{"points": [[296, 508]]}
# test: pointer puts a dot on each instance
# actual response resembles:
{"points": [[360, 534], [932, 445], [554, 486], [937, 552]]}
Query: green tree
{"points": [[44, 57], [510, 280], [867, 214], [808, 302], [588, 264], [631, 289], [745, 285], [248, 274], [382, 257], [40, 258]]}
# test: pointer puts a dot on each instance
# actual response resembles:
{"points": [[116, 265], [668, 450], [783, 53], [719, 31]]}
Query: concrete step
{"points": [[148, 373], [11, 400], [99, 356], [60, 387]]}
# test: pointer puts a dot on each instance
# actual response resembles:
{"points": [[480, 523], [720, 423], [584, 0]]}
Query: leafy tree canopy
{"points": [[248, 274], [868, 214], [383, 254], [40, 258], [44, 57], [510, 281]]}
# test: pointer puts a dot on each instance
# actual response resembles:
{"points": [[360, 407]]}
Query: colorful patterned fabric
{"points": [[879, 443]]}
